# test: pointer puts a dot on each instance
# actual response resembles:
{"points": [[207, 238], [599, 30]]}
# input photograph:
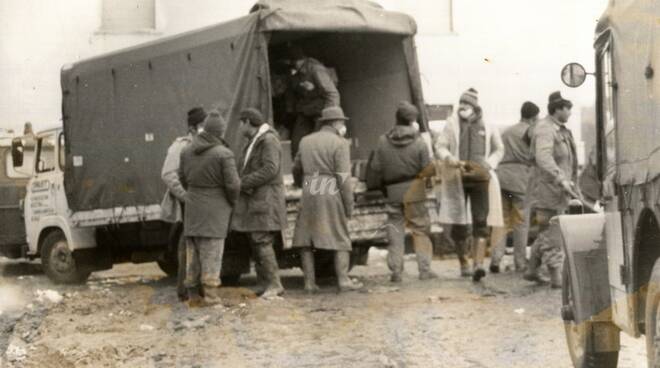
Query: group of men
{"points": [[527, 173], [489, 185]]}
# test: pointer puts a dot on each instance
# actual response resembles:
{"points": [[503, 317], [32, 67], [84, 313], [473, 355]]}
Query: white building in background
{"points": [[509, 50]]}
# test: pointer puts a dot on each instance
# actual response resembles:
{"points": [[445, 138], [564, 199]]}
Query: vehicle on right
{"points": [[612, 268]]}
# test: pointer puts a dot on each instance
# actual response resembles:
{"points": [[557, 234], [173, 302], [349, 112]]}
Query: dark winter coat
{"points": [[262, 203], [403, 157], [208, 172], [323, 166]]}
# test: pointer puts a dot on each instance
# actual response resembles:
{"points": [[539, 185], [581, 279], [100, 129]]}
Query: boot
{"points": [[259, 270], [307, 263], [270, 270], [478, 255], [555, 277], [212, 295], [424, 255], [194, 298], [342, 261], [460, 253], [532, 271]]}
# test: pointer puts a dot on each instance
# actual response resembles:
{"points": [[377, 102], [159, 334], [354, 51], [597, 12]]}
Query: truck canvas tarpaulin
{"points": [[122, 110], [634, 28]]}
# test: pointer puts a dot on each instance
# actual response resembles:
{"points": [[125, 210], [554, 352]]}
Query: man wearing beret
{"points": [[260, 212], [402, 163], [552, 185], [172, 205]]}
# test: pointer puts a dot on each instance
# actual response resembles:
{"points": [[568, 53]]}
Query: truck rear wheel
{"points": [[652, 316], [59, 262], [580, 336]]}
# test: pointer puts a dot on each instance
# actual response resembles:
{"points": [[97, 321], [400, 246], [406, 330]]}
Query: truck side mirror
{"points": [[17, 151], [573, 75]]}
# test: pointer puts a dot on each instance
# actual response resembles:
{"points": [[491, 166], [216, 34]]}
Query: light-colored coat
{"points": [[175, 194], [454, 209], [323, 166]]}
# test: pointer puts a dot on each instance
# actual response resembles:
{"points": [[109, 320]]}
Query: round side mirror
{"points": [[573, 75]]}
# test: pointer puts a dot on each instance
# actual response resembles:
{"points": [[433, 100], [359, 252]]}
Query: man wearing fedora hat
{"points": [[552, 186], [172, 205], [322, 168]]}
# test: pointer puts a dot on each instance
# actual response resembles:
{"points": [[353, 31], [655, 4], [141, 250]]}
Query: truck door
{"points": [[13, 182], [42, 196], [618, 241]]}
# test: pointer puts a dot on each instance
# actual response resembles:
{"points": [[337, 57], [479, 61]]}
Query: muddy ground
{"points": [[130, 317]]}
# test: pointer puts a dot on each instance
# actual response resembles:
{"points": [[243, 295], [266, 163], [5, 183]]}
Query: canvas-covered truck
{"points": [[95, 200], [612, 269]]}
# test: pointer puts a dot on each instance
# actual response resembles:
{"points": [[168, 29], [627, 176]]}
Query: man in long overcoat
{"points": [[323, 167], [260, 212], [552, 185], [172, 205], [208, 173]]}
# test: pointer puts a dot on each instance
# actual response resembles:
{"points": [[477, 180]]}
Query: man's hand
{"points": [[568, 187]]}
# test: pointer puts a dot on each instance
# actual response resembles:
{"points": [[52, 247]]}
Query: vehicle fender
{"points": [[77, 237], [583, 242]]}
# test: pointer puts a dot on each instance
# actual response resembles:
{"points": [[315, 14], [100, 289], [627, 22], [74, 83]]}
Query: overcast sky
{"points": [[510, 50]]}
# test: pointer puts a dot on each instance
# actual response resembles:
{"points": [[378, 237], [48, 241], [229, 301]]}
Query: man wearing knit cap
{"points": [[402, 163], [208, 173], [172, 205], [513, 173], [260, 213], [470, 150], [552, 186]]}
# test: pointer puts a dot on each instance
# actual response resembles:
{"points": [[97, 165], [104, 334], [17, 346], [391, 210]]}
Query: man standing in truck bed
{"points": [[312, 89], [208, 173], [552, 186]]}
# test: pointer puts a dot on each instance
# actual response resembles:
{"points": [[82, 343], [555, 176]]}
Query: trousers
{"points": [[413, 216], [513, 207], [203, 261], [547, 246]]}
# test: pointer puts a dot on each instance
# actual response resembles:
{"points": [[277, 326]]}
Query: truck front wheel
{"points": [[580, 337], [59, 262]]}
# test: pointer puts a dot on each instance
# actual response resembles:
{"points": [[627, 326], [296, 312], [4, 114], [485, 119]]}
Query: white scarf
{"points": [[262, 130]]}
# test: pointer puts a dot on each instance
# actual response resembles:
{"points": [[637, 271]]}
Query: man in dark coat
{"points": [[208, 173], [323, 166], [513, 173], [172, 205], [312, 89], [260, 212], [552, 185], [403, 162]]}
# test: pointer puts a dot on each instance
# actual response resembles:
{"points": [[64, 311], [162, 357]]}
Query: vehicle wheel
{"points": [[580, 337], [652, 326], [230, 280], [59, 262]]}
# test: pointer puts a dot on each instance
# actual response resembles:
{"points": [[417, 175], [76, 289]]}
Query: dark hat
{"points": [[215, 124], [529, 110], [253, 116], [470, 97], [196, 115], [406, 112], [332, 114], [555, 97]]}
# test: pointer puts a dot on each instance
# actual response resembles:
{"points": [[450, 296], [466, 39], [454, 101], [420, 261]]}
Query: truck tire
{"points": [[580, 337], [652, 327], [168, 264], [59, 263]]}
